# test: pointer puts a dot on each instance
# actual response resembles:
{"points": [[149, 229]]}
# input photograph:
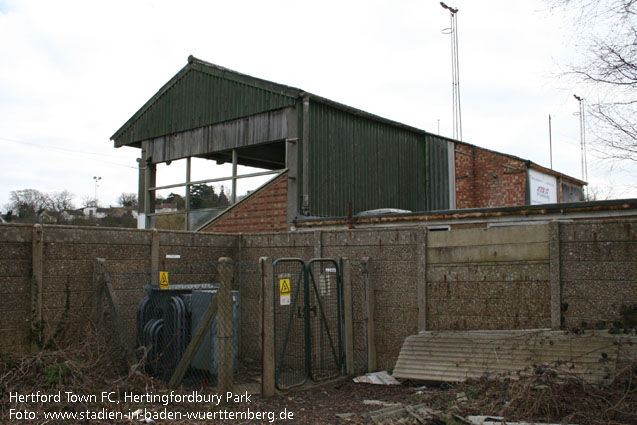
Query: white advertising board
{"points": [[543, 188]]}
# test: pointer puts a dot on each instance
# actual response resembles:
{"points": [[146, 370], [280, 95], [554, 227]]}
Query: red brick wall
{"points": [[263, 212], [487, 179]]}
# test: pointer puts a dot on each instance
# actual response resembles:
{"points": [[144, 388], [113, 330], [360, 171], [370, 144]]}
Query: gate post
{"points": [[225, 328], [348, 316], [267, 327]]}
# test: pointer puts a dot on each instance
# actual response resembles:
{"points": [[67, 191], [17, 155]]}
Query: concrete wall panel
{"points": [[490, 236], [13, 250], [596, 277], [504, 272], [608, 231]]}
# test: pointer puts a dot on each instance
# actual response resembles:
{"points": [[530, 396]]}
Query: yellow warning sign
{"points": [[163, 280], [284, 291], [284, 285]]}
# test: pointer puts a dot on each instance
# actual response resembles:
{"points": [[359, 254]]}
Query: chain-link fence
{"points": [[192, 325]]}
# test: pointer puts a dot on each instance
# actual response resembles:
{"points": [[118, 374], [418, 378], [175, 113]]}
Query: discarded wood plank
{"points": [[380, 403], [499, 420], [415, 414]]}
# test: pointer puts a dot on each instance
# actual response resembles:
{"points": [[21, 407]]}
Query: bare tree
{"points": [[608, 68], [600, 193], [88, 201], [127, 199], [27, 204], [58, 203]]}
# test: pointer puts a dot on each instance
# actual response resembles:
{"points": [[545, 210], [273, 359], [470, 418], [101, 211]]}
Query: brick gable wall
{"points": [[263, 212], [487, 179]]}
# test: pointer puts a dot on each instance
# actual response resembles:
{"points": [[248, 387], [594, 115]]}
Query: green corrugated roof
{"points": [[202, 94]]}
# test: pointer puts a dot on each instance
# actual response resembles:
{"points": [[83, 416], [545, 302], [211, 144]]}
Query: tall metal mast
{"points": [[582, 136], [455, 71]]}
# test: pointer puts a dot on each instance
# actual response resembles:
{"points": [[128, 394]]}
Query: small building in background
{"points": [[486, 179]]}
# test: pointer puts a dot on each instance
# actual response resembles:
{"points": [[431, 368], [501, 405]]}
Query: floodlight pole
{"points": [[550, 143], [97, 179], [582, 137], [455, 72]]}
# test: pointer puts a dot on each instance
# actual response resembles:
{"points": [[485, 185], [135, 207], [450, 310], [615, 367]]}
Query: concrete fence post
{"points": [[421, 259], [318, 244], [154, 258], [98, 293], [348, 316], [555, 275], [37, 257], [225, 325], [368, 314], [267, 342]]}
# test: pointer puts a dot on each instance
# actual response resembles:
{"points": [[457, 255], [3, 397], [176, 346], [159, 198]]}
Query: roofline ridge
{"points": [[192, 65]]}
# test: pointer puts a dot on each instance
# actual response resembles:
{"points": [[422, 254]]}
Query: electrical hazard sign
{"points": [[163, 280], [284, 291]]}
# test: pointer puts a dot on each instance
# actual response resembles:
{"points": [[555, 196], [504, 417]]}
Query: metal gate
{"points": [[308, 318]]}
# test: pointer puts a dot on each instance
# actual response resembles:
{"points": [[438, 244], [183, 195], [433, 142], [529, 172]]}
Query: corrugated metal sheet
{"points": [[437, 173], [244, 132], [202, 94], [373, 164], [456, 356]]}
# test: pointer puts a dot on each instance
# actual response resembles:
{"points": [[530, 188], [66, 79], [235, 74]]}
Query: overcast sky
{"points": [[72, 72]]}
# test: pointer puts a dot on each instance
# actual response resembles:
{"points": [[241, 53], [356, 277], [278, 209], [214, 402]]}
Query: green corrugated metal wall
{"points": [[438, 173], [372, 164], [197, 99]]}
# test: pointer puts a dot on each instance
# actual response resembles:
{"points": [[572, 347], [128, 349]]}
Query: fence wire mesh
{"points": [[197, 325], [289, 324], [325, 319]]}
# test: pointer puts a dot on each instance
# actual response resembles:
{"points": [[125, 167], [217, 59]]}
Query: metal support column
{"points": [[305, 187], [233, 197], [187, 207], [150, 175]]}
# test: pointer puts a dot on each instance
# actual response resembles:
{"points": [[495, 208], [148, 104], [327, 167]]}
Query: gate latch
{"points": [[301, 311]]}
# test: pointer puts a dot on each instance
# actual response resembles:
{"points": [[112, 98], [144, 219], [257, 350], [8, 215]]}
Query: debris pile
{"points": [[546, 397]]}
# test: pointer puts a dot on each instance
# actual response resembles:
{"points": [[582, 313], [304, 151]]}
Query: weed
{"points": [[55, 373]]}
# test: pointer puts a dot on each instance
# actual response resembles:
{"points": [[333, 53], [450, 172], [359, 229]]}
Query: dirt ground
{"points": [[87, 370], [323, 405]]}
